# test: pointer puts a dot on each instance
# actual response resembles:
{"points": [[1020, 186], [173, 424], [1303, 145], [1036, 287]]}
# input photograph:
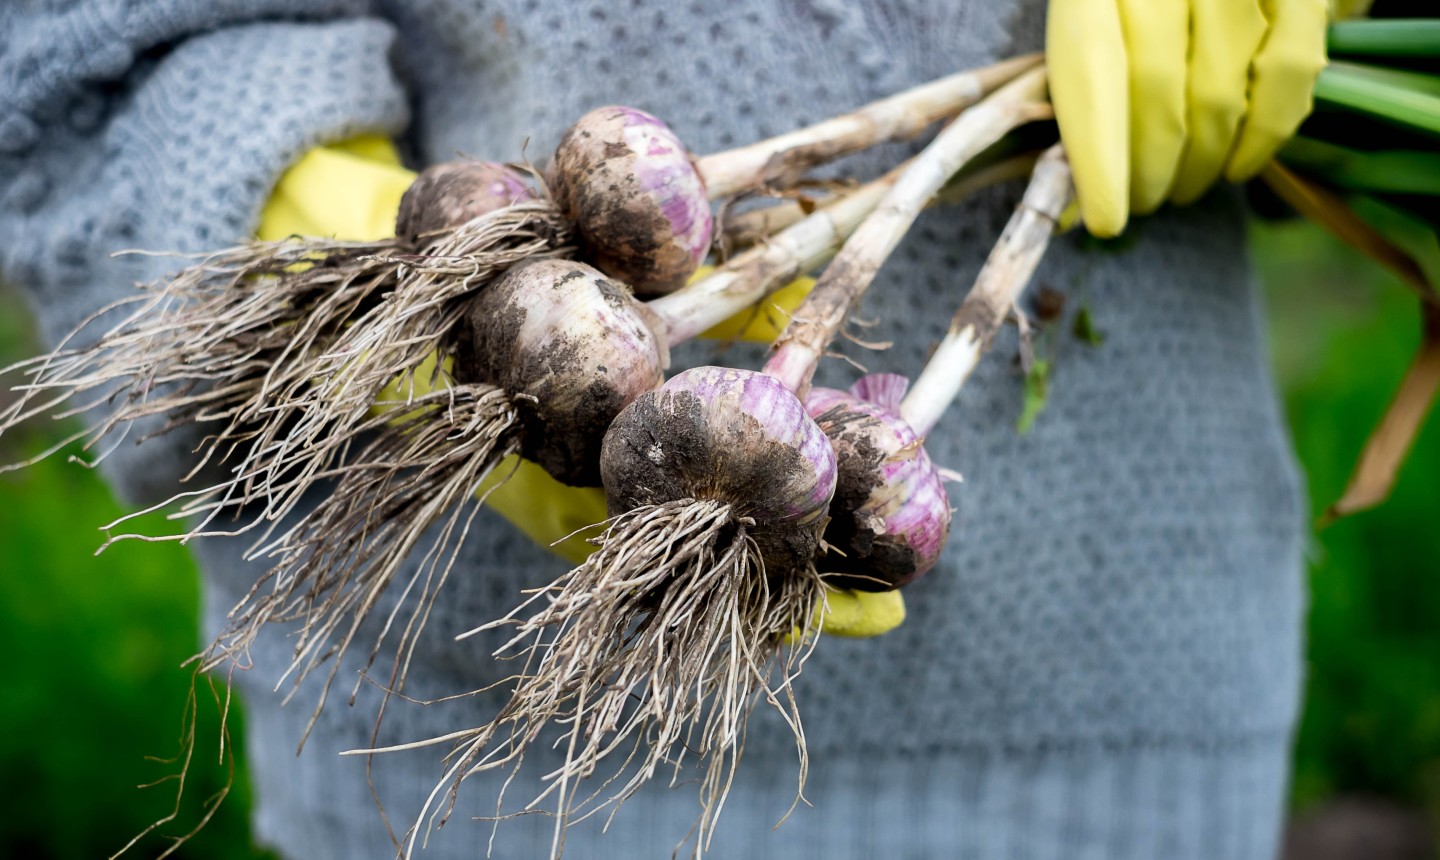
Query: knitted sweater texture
{"points": [[1104, 665]]}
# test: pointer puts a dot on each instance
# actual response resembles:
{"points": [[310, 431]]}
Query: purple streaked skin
{"points": [[908, 501], [885, 390], [510, 188], [729, 392], [637, 201], [664, 172]]}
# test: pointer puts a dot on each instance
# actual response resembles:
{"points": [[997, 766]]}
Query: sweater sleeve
{"points": [[163, 127]]}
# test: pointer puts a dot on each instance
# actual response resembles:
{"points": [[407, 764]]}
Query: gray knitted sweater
{"points": [[1104, 665]]}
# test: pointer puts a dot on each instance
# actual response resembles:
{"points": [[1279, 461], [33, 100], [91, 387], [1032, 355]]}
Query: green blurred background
{"points": [[94, 680]]}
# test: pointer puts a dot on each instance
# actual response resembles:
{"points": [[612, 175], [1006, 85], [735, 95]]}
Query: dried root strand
{"points": [[278, 349], [419, 468], [303, 431], [659, 645], [209, 344], [284, 347]]}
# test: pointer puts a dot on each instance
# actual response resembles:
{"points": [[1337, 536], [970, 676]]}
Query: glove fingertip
{"points": [[1249, 161], [1146, 199], [1105, 219], [861, 614], [1184, 195], [1089, 87]]}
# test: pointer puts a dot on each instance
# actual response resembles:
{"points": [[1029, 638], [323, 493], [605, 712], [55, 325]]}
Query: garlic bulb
{"points": [[732, 436], [572, 348], [628, 184], [448, 194], [665, 639], [890, 516]]}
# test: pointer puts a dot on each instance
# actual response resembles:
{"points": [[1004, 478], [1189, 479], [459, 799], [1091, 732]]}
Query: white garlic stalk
{"points": [[890, 517], [997, 288]]}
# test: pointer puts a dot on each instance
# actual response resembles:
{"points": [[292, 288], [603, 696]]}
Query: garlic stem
{"points": [[748, 277], [819, 319], [1015, 167], [786, 157], [749, 228], [755, 226], [998, 286]]}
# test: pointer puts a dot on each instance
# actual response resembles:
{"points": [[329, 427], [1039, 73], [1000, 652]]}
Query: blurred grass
{"points": [[1342, 333], [95, 683]]}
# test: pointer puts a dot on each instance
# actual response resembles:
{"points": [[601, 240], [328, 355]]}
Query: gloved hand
{"points": [[352, 190], [349, 190], [1157, 99]]}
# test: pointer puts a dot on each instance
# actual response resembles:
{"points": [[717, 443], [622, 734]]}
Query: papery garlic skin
{"points": [[629, 186], [449, 194], [728, 435], [890, 516], [572, 348]]}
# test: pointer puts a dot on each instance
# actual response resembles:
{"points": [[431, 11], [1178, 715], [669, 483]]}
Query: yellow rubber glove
{"points": [[764, 322], [1157, 99], [862, 614], [352, 190], [348, 191]]}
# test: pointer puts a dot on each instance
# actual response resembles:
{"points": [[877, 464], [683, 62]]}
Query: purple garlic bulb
{"points": [[734, 436], [572, 348], [451, 193], [890, 515], [640, 208]]}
